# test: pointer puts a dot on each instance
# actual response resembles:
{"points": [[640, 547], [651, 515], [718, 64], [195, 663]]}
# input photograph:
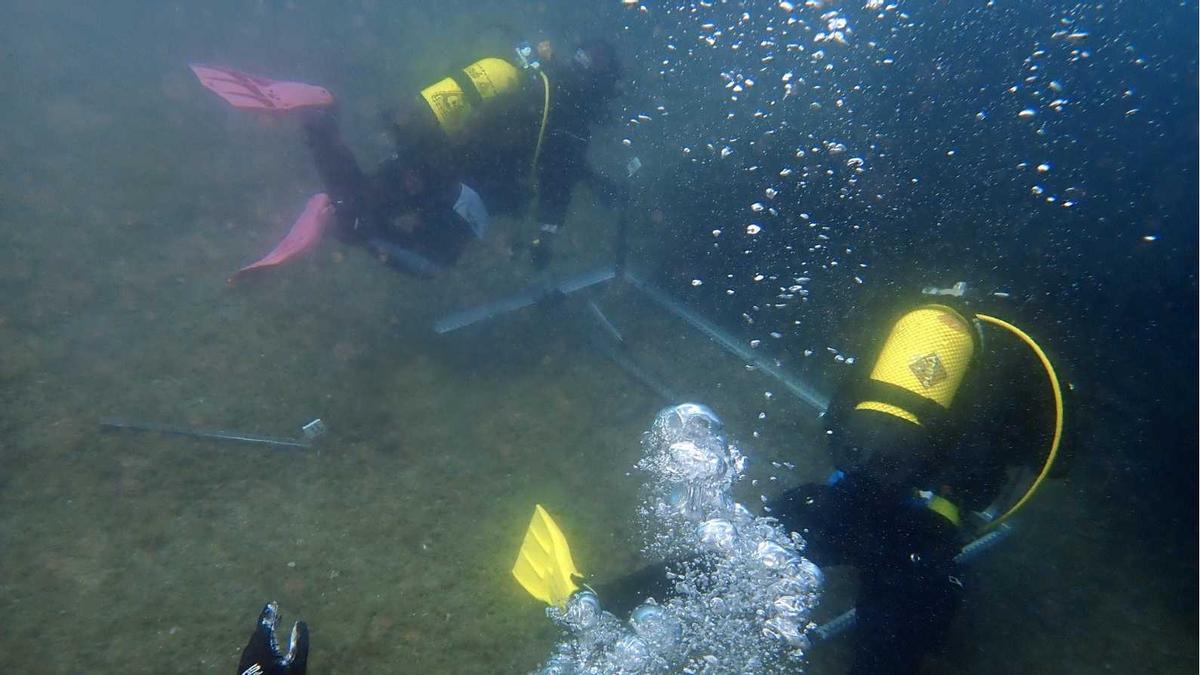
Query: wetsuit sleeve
{"points": [[563, 164]]}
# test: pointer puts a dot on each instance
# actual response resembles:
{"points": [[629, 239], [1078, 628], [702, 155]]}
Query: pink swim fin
{"points": [[259, 93], [305, 232]]}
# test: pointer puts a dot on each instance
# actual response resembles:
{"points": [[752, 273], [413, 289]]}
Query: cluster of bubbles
{"points": [[743, 593], [847, 144], [766, 92], [835, 127]]}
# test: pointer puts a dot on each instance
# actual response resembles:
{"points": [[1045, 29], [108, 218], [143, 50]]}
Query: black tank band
{"points": [[470, 92]]}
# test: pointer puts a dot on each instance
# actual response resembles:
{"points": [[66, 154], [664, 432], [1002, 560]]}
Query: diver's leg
{"points": [[817, 512], [446, 237], [620, 596], [436, 242], [427, 161], [908, 595], [344, 181]]}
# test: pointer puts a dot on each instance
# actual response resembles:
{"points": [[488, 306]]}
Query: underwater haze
{"points": [[786, 174]]}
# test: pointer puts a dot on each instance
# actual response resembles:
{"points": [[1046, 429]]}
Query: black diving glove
{"points": [[541, 249], [262, 656]]}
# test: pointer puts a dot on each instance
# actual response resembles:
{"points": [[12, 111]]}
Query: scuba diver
{"points": [[480, 141], [950, 431]]}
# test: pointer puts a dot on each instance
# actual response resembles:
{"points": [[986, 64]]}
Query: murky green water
{"points": [[127, 197]]}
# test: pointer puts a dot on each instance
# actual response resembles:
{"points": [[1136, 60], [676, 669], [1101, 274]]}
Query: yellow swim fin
{"points": [[544, 566]]}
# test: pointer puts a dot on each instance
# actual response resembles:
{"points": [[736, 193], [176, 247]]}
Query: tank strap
{"points": [[469, 90], [932, 416]]}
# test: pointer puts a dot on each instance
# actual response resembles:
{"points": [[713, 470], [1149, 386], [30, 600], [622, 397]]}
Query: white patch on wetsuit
{"points": [[470, 206]]}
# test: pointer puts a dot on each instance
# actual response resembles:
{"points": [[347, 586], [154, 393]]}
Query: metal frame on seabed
{"points": [[541, 292]]}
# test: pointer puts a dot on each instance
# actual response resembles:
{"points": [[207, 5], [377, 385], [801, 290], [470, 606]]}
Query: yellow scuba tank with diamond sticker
{"points": [[492, 76], [917, 377], [927, 353], [454, 100]]}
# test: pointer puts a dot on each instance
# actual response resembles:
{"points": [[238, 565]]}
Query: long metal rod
{"points": [[631, 368], [604, 322], [527, 297], [730, 344], [212, 435], [614, 349]]}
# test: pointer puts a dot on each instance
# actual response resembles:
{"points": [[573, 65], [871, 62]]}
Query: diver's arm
{"points": [[563, 164]]}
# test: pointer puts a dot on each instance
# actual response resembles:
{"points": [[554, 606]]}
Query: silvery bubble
{"points": [[775, 557], [717, 535]]}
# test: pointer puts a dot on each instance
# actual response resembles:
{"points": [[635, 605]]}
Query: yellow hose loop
{"points": [[537, 150], [1058, 413]]}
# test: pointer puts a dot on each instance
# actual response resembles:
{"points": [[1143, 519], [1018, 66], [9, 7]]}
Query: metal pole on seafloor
{"points": [[210, 435], [729, 343], [526, 298]]}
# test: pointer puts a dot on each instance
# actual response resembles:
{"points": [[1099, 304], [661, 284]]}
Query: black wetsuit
{"points": [[870, 516], [909, 584], [423, 179]]}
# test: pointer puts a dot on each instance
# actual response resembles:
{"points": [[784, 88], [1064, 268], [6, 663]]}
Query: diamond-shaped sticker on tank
{"points": [[928, 369]]}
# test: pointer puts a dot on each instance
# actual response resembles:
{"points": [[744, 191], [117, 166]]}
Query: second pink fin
{"points": [[305, 232]]}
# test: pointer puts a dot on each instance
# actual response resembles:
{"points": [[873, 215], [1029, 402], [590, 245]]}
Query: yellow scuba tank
{"points": [[455, 99], [927, 354], [922, 365]]}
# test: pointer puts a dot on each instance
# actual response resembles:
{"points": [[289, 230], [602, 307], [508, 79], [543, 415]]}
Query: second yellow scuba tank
{"points": [[455, 99]]}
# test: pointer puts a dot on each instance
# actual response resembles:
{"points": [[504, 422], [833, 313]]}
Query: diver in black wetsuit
{"points": [[475, 143], [931, 445]]}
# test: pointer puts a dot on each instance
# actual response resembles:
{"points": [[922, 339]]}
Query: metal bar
{"points": [[624, 362], [603, 322], [212, 435], [621, 247], [615, 350], [846, 620], [530, 296], [730, 344]]}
